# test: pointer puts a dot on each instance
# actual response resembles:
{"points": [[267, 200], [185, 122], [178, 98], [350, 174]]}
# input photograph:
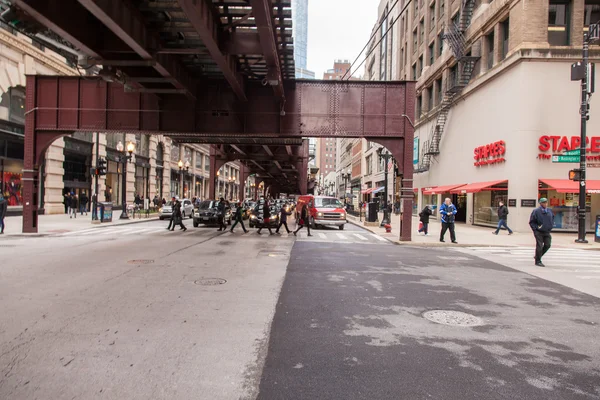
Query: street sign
{"points": [[565, 159], [594, 32], [572, 152]]}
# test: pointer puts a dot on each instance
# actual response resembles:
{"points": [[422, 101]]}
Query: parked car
{"points": [[208, 213], [323, 211], [257, 216], [187, 209], [248, 209]]}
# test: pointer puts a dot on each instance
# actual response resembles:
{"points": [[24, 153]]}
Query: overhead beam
{"points": [[236, 148], [289, 150], [247, 43], [258, 165], [200, 14], [129, 27], [262, 10], [268, 150]]}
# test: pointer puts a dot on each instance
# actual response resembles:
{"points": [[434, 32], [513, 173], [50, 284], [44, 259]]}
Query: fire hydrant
{"points": [[388, 228]]}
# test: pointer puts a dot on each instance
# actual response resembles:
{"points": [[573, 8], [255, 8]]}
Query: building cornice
{"points": [[27, 48]]}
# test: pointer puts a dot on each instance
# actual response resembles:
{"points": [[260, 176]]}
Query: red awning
{"points": [[476, 187], [367, 191], [568, 186], [441, 189]]}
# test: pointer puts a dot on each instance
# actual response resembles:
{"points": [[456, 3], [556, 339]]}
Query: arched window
{"points": [[160, 154]]}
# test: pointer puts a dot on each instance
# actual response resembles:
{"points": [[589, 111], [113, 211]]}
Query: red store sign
{"points": [[492, 153], [559, 144]]}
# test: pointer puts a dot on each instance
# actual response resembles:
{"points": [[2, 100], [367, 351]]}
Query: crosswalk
{"points": [[156, 230], [578, 263]]}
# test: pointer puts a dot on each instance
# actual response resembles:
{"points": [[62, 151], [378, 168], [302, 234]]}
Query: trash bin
{"points": [[372, 212], [105, 211], [597, 230]]}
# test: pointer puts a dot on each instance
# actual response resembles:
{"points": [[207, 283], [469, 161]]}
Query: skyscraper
{"points": [[300, 34]]}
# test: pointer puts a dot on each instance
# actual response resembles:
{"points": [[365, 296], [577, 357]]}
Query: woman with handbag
{"points": [[424, 218], [178, 216], [304, 219]]}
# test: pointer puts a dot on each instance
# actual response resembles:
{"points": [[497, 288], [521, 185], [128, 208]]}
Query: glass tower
{"points": [[300, 34]]}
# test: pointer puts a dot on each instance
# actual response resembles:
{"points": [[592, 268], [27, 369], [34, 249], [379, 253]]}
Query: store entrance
{"points": [[460, 201]]}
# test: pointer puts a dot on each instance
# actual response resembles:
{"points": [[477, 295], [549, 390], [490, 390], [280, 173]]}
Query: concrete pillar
{"points": [[53, 179], [485, 50], [497, 43]]}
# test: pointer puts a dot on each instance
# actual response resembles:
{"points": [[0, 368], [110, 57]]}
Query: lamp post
{"points": [[124, 158], [182, 166], [346, 176], [230, 187], [217, 185], [385, 156]]}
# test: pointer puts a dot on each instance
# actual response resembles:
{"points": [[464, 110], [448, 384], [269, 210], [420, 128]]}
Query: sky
{"points": [[338, 29]]}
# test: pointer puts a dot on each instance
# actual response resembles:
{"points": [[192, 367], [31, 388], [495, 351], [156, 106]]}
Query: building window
{"points": [[422, 30], [429, 98], [490, 46], [419, 105], [207, 163], [440, 44], [558, 23], [369, 161], [592, 13], [456, 19], [505, 36], [174, 152], [420, 70], [415, 9], [383, 48], [439, 90], [199, 158], [441, 8], [432, 16], [453, 76], [431, 53], [414, 72], [415, 44]]}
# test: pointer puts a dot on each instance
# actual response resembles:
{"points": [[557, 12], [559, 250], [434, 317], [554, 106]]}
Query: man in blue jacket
{"points": [[447, 213], [541, 223]]}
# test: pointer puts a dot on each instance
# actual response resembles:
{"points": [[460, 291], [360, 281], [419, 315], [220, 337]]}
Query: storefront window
{"points": [[433, 201], [485, 206], [11, 181], [564, 207]]}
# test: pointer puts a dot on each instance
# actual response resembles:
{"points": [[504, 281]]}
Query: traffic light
{"points": [[101, 168], [575, 175]]}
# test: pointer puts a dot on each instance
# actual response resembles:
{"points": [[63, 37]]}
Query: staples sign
{"points": [[489, 154]]}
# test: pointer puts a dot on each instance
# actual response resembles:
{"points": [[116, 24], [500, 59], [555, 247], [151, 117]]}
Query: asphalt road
{"points": [[136, 312], [349, 325]]}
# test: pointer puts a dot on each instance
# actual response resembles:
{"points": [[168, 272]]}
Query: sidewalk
{"points": [[468, 235], [61, 223]]}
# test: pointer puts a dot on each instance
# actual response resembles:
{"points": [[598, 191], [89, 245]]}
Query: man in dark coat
{"points": [[172, 220], [83, 201], [178, 216], [424, 218], [541, 222], [502, 217], [283, 219], [73, 206], [3, 209], [239, 217], [221, 214]]}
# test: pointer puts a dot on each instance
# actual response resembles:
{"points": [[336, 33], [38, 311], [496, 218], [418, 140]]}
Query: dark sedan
{"points": [[208, 213]]}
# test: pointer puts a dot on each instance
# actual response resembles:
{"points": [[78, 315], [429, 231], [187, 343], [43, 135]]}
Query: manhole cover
{"points": [[140, 261], [210, 281], [454, 318]]}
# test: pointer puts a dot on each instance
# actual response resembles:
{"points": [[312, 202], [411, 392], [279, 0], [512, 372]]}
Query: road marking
{"points": [[341, 236], [322, 236], [78, 232], [361, 237], [376, 236], [587, 276]]}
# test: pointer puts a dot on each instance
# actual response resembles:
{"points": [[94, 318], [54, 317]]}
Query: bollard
{"points": [[388, 228]]}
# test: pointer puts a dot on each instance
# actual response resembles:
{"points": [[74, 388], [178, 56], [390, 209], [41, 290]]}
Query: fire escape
{"points": [[458, 79]]}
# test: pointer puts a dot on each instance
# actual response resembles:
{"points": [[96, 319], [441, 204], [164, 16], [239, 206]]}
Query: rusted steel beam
{"points": [[201, 16], [246, 43], [262, 10], [129, 27], [70, 25]]}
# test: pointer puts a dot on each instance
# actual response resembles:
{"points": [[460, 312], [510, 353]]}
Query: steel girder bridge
{"points": [[219, 72]]}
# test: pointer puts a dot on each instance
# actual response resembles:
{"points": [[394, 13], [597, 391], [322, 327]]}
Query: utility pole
{"points": [[585, 72], [95, 198]]}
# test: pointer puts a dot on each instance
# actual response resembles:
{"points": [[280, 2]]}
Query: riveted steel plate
{"points": [[453, 318]]}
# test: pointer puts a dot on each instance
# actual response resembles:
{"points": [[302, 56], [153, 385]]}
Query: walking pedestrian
{"points": [[172, 220], [239, 217], [73, 206], [221, 214], [83, 202], [303, 219], [541, 222], [448, 212], [3, 209], [266, 218], [424, 218], [283, 214], [502, 218], [67, 202], [178, 219]]}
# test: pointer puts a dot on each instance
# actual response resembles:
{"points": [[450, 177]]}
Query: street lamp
{"points": [[346, 177], [182, 166], [123, 158], [231, 187], [385, 156]]}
